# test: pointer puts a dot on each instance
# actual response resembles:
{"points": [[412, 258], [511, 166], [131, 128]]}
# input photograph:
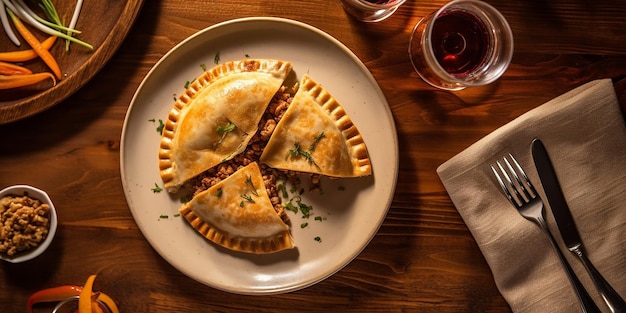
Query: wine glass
{"points": [[371, 10], [465, 43]]}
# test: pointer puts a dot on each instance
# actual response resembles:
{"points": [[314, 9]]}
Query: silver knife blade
{"points": [[567, 228], [554, 195]]}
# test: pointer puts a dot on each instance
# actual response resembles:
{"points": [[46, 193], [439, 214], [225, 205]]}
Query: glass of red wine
{"points": [[371, 10], [463, 44]]}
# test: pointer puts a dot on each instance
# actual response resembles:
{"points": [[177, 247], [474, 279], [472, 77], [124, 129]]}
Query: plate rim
{"points": [[364, 70]]}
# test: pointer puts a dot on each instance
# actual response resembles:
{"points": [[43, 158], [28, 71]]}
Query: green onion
{"points": [[53, 28], [74, 20], [7, 27]]}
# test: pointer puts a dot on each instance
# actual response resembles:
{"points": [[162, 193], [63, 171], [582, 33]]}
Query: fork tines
{"points": [[516, 190]]}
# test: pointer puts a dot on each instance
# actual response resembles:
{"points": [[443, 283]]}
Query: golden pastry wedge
{"points": [[216, 117], [237, 214], [316, 135]]}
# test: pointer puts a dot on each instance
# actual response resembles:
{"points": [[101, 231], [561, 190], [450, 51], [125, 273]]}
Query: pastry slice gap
{"points": [[316, 135], [216, 117], [237, 213]]}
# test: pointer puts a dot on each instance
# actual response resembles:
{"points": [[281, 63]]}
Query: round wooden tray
{"points": [[104, 24]]}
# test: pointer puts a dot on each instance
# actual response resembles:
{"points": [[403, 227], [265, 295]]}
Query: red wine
{"points": [[460, 41]]}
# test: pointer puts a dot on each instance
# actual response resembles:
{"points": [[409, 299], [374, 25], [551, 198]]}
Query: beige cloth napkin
{"points": [[584, 133]]}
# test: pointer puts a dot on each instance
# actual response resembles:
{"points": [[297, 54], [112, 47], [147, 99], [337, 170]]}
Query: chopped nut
{"points": [[24, 223]]}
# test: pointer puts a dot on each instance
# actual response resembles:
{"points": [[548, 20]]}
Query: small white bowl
{"points": [[21, 190]]}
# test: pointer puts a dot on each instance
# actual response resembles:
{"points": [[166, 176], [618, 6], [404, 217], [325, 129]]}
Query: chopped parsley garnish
{"points": [[305, 209], [319, 218], [189, 83], [283, 190], [224, 130], [203, 67], [219, 192], [249, 182], [185, 199], [316, 141], [299, 206], [318, 239], [165, 216], [290, 207], [247, 198], [156, 188], [216, 59], [160, 127], [303, 225], [247, 55], [297, 150]]}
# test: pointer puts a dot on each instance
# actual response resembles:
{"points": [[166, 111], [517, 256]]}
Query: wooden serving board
{"points": [[104, 24]]}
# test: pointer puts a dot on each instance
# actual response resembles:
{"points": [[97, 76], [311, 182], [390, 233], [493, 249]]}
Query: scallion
{"points": [[53, 28]]}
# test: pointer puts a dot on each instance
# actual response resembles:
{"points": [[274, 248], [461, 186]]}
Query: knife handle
{"points": [[586, 302], [612, 299]]}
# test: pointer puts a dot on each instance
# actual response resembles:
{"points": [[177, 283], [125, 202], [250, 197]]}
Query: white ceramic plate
{"points": [[352, 209]]}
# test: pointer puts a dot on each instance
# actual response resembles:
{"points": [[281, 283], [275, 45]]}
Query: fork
{"points": [[528, 203]]}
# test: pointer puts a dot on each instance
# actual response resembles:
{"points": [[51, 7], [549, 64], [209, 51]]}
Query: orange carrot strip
{"points": [[13, 69], [21, 80], [26, 55], [95, 306], [36, 45], [109, 302], [84, 299]]}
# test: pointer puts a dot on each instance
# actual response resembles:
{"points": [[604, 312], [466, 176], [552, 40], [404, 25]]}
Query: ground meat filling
{"points": [[274, 112]]}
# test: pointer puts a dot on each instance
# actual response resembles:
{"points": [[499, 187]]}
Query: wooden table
{"points": [[423, 258]]}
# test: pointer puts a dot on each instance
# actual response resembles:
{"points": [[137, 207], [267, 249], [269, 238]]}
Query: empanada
{"points": [[216, 117], [316, 135], [237, 213]]}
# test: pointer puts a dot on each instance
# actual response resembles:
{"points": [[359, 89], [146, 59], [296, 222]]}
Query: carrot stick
{"points": [[13, 69], [36, 45], [26, 55], [84, 299], [21, 80]]}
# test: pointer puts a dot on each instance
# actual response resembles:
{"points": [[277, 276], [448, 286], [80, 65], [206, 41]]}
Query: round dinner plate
{"points": [[349, 211]]}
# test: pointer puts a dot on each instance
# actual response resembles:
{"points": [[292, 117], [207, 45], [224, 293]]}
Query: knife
{"points": [[567, 227]]}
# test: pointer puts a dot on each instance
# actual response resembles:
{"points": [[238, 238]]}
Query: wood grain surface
{"points": [[423, 258]]}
